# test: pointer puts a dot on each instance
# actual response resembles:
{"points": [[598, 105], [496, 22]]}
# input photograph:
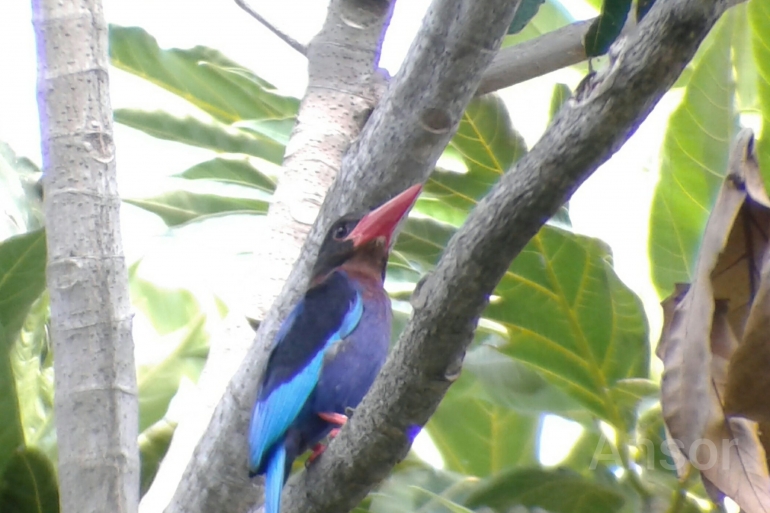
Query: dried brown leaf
{"points": [[699, 343], [748, 383]]}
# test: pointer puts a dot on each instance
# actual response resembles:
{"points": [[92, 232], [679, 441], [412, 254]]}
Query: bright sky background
{"points": [[612, 205]]}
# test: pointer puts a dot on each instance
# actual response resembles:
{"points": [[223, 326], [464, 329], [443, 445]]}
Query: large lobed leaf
{"points": [[714, 343], [693, 161], [759, 19], [179, 207], [557, 491], [212, 135], [180, 353], [564, 310], [22, 280], [29, 484], [202, 76]]}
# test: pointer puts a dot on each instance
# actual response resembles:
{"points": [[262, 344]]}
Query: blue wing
{"points": [[329, 312]]}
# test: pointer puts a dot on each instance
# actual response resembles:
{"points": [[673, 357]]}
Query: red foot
{"points": [[337, 419], [318, 449]]}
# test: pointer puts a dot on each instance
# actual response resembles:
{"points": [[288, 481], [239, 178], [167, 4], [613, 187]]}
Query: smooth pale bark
{"points": [[95, 404], [344, 85], [457, 42], [448, 302]]}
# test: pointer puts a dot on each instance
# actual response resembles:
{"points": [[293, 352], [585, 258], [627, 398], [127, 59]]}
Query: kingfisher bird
{"points": [[330, 347]]}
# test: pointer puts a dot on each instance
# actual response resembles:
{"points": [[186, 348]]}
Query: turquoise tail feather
{"points": [[274, 479]]}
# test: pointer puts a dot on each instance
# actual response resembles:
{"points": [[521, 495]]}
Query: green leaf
{"points": [[747, 81], [526, 11], [759, 19], [607, 27], [153, 445], [11, 432], [479, 437], [451, 506], [569, 315], [278, 130], [693, 162], [22, 279], [239, 172], [489, 146], [20, 194], [642, 8], [33, 371], [416, 488], [29, 484], [417, 249], [561, 93], [181, 352], [557, 491], [202, 76], [513, 384], [178, 207], [550, 16], [211, 135]]}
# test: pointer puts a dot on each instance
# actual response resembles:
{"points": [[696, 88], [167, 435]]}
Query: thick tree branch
{"points": [[286, 38], [448, 303], [539, 56], [552, 51], [343, 88], [97, 413]]}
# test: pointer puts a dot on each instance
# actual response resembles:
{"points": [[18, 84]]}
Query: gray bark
{"points": [[343, 87], [449, 301], [457, 42], [95, 404], [398, 147]]}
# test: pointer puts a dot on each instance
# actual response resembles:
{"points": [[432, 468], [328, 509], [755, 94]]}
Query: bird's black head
{"points": [[366, 237], [336, 248]]}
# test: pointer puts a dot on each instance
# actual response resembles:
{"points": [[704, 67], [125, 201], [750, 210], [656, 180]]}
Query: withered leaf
{"points": [[700, 336]]}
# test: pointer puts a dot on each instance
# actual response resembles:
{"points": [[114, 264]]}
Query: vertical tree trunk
{"points": [[96, 406]]}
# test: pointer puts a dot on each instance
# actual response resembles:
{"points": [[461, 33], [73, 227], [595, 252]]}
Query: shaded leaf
{"points": [[451, 506], [178, 207], [642, 8], [239, 172], [693, 163], [180, 353], [417, 487], [20, 194], [33, 372], [561, 93], [607, 27], [479, 437], [512, 384], [153, 445], [557, 491], [22, 279], [550, 16], [488, 145], [29, 484], [200, 75], [211, 135], [701, 333], [11, 431], [526, 11], [759, 20], [278, 130], [569, 315]]}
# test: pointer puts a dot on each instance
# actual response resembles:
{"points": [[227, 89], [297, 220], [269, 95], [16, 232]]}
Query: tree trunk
{"points": [[96, 405]]}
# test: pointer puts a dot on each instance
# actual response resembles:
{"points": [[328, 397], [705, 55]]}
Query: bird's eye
{"points": [[340, 232]]}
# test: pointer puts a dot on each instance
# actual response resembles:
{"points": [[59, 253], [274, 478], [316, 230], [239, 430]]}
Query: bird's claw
{"points": [[337, 419]]}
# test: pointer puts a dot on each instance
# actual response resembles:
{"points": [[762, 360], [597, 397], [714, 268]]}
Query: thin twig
{"points": [[272, 28]]}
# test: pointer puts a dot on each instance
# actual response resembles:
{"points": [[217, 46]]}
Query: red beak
{"points": [[382, 221]]}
